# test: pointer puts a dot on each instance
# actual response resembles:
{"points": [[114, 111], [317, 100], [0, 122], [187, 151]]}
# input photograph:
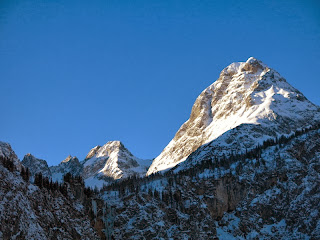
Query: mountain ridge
{"points": [[101, 165], [245, 93]]}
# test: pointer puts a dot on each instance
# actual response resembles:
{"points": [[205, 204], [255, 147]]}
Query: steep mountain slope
{"points": [[70, 164], [248, 104], [36, 165], [30, 212], [269, 193], [113, 161], [6, 151]]}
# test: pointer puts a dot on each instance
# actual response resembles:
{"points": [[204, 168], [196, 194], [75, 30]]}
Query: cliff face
{"points": [[36, 165], [7, 152], [30, 212], [248, 104]]}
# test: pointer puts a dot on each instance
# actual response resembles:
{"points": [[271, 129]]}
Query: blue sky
{"points": [[76, 74]]}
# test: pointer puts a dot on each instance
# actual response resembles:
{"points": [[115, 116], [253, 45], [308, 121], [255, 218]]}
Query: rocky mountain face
{"points": [[28, 211], [113, 161], [248, 104], [36, 165], [6, 151], [70, 164]]}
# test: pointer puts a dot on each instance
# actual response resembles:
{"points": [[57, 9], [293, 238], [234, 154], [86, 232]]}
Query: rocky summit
{"points": [[245, 165], [248, 104], [111, 161], [36, 165]]}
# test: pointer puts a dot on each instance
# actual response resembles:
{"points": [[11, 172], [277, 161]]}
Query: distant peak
{"points": [[70, 158], [115, 143], [30, 156], [99, 151], [67, 159]]}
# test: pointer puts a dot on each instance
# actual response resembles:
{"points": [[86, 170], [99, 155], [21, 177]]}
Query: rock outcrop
{"points": [[7, 152], [36, 165]]}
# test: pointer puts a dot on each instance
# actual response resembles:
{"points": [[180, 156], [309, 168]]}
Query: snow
{"points": [[267, 229], [32, 188], [160, 185], [112, 160], [57, 177], [90, 161], [238, 97], [225, 232], [94, 182]]}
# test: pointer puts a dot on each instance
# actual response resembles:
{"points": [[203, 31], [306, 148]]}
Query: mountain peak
{"points": [[70, 159], [36, 165], [99, 151], [112, 160], [115, 144], [252, 66], [67, 159], [245, 93]]}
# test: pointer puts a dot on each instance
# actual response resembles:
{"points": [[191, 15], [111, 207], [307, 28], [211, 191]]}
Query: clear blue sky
{"points": [[76, 74]]}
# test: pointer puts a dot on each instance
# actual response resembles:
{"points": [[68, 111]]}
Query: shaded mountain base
{"points": [[272, 195], [28, 211]]}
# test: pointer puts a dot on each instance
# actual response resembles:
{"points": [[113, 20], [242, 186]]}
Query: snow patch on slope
{"points": [[112, 161]]}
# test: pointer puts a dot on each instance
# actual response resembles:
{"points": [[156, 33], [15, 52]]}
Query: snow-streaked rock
{"points": [[70, 164], [6, 151], [30, 212], [36, 165], [249, 103], [101, 165], [114, 161]]}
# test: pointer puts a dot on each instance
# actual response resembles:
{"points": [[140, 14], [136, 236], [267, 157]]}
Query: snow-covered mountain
{"points": [[112, 160], [102, 164], [229, 188], [248, 104], [70, 164]]}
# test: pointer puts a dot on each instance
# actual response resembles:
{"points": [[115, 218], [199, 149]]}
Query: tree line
{"points": [[134, 183]]}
